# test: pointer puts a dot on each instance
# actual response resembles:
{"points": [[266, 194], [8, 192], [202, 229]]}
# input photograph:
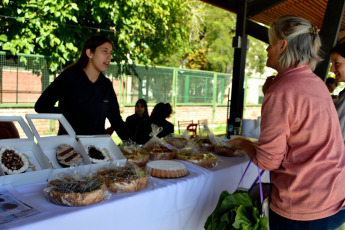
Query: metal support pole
{"points": [[237, 93]]}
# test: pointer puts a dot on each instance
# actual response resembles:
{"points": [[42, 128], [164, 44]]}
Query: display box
{"points": [[48, 144], [103, 142], [39, 168]]}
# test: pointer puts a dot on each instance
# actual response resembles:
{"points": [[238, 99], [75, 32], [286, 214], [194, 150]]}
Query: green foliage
{"points": [[59, 28], [236, 211], [210, 43]]}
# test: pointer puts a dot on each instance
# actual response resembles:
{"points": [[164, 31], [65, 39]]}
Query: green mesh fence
{"points": [[24, 77]]}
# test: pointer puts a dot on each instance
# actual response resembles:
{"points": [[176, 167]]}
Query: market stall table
{"points": [[169, 204]]}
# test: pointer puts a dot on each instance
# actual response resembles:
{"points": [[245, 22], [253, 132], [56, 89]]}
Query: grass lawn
{"points": [[219, 130]]}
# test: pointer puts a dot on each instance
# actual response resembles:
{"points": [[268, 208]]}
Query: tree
{"points": [[58, 28], [210, 46]]}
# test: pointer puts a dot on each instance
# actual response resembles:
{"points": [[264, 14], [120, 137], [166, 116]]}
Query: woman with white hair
{"points": [[300, 140]]}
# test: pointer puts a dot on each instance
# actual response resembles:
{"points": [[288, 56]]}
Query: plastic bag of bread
{"points": [[227, 150], [157, 148], [74, 189], [134, 153], [121, 179], [205, 140], [177, 141], [203, 159]]}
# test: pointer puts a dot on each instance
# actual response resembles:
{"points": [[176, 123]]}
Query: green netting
{"points": [[24, 77]]}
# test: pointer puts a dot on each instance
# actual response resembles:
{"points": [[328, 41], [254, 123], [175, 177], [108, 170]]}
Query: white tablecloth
{"points": [[166, 204]]}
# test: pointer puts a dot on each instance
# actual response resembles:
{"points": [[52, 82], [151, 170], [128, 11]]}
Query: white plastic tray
{"points": [[49, 144], [103, 141], [41, 168]]}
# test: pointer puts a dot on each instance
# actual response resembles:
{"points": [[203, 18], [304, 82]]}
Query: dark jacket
{"points": [[85, 105]]}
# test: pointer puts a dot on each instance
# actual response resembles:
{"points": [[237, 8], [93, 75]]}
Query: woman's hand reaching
{"points": [[245, 144]]}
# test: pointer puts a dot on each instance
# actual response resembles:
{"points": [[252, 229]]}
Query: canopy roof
{"points": [[253, 17], [266, 11]]}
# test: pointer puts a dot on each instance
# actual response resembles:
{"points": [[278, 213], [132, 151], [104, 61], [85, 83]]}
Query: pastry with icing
{"points": [[67, 156], [13, 162]]}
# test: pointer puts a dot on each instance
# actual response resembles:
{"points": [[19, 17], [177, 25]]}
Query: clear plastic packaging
{"points": [[228, 150], [157, 148], [203, 159], [121, 179], [74, 189], [205, 141], [177, 141], [134, 153]]}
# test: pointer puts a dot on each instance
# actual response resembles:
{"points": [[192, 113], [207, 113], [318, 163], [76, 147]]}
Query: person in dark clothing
{"points": [[8, 130], [158, 117], [133, 122], [86, 97]]}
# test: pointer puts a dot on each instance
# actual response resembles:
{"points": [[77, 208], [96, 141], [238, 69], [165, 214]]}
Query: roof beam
{"points": [[329, 33], [226, 5], [258, 6], [257, 31]]}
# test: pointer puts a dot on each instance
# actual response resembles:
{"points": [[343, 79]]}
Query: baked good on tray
{"points": [[228, 150], [204, 144], [13, 162], [67, 156], [203, 159], [166, 169], [137, 157], [96, 155], [124, 179], [176, 141], [160, 152], [71, 192]]}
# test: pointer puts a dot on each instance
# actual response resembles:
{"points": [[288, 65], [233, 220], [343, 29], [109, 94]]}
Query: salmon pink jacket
{"points": [[302, 145]]}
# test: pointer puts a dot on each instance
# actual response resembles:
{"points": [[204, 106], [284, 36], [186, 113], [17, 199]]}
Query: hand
{"points": [[245, 144], [267, 84], [109, 131]]}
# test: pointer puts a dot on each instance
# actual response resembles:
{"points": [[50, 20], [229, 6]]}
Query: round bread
{"points": [[13, 162], [124, 179], [166, 169], [203, 159], [177, 142], [96, 155], [228, 150], [71, 192], [160, 153], [136, 157]]}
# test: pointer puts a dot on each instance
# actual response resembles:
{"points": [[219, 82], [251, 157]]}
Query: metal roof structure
{"points": [[254, 17]]}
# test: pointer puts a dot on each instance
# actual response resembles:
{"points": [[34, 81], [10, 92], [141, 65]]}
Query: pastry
{"points": [[177, 142], [205, 144], [228, 150], [203, 159], [13, 162], [124, 179], [136, 157], [67, 156], [96, 155], [160, 153], [71, 192], [166, 169]]}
